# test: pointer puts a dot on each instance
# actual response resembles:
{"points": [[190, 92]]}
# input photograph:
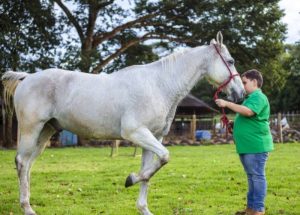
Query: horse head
{"points": [[222, 72]]}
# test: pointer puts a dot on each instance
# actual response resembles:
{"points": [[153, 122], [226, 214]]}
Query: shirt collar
{"points": [[254, 92]]}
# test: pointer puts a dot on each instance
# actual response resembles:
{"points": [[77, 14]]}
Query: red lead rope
{"points": [[224, 119]]}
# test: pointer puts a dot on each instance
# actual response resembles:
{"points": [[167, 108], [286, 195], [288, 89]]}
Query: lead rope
{"points": [[224, 119]]}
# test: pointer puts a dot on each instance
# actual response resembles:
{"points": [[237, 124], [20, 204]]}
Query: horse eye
{"points": [[230, 62]]}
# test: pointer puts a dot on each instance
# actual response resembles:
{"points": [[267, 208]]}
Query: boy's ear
{"points": [[255, 82]]}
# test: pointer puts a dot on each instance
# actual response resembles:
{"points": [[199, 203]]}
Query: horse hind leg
{"points": [[45, 135], [25, 156], [29, 147]]}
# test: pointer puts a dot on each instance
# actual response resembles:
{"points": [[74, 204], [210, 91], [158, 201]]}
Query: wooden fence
{"points": [[183, 127], [285, 127], [289, 120], [292, 119]]}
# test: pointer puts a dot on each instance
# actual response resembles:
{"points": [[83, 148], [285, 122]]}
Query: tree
{"points": [[107, 41], [27, 39], [288, 99]]}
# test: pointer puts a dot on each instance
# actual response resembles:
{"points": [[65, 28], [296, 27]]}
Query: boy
{"points": [[252, 136]]}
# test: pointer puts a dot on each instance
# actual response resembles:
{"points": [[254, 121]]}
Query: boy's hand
{"points": [[221, 102]]}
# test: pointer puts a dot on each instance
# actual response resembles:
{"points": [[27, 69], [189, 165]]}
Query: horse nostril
{"points": [[237, 97], [234, 96], [241, 97]]}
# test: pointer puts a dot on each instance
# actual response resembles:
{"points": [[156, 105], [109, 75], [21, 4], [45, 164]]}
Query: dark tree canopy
{"points": [[27, 35], [288, 98]]}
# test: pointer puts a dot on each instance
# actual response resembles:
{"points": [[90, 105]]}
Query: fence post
{"points": [[193, 127], [279, 128], [135, 151], [214, 122], [115, 148]]}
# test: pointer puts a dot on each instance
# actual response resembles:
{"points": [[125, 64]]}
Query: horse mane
{"points": [[166, 60], [169, 60], [175, 55]]}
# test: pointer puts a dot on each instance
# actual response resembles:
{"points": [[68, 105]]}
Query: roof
{"points": [[192, 105]]}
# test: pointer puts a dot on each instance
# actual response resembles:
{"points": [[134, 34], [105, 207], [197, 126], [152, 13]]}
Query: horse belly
{"points": [[98, 128]]}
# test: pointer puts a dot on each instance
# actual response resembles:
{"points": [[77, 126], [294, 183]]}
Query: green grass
{"points": [[198, 180]]}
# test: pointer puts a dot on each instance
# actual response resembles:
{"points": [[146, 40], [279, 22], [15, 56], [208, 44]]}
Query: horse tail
{"points": [[10, 81]]}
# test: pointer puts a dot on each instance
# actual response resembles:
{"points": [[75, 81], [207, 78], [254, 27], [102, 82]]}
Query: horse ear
{"points": [[213, 41], [220, 39]]}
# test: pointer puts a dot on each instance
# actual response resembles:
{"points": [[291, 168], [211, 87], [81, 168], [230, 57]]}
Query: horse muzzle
{"points": [[237, 97]]}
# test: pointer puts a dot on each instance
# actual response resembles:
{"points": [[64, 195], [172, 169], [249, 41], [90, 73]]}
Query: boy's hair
{"points": [[254, 74]]}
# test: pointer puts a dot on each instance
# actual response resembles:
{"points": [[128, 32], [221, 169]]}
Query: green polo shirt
{"points": [[252, 134]]}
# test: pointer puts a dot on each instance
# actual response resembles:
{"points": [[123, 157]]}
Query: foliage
{"points": [[101, 31], [198, 180], [288, 99], [27, 38], [206, 92]]}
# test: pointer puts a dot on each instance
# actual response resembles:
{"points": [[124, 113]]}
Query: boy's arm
{"points": [[243, 110]]}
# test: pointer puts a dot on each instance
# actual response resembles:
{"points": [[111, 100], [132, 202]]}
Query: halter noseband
{"points": [[224, 119]]}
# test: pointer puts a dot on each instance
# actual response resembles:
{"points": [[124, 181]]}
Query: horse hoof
{"points": [[130, 180], [144, 209], [31, 212], [27, 209]]}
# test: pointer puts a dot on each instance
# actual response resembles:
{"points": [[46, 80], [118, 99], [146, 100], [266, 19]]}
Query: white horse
{"points": [[137, 103]]}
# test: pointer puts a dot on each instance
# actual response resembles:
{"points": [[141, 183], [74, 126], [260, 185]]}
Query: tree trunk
{"points": [[3, 124], [85, 62]]}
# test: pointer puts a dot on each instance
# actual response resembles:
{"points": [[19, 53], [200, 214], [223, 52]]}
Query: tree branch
{"points": [[98, 68], [90, 28], [72, 19], [104, 4], [105, 36]]}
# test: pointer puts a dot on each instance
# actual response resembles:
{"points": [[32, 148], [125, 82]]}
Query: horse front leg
{"points": [[144, 138], [142, 205]]}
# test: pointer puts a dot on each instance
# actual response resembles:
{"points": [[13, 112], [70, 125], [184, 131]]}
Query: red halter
{"points": [[224, 118]]}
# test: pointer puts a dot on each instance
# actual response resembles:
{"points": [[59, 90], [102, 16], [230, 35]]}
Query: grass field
{"points": [[198, 180]]}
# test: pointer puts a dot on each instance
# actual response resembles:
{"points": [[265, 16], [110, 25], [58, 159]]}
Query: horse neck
{"points": [[181, 72]]}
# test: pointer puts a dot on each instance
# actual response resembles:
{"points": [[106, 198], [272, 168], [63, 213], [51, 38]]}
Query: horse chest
{"points": [[161, 124]]}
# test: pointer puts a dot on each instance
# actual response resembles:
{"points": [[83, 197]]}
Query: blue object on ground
{"points": [[68, 138], [203, 135]]}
